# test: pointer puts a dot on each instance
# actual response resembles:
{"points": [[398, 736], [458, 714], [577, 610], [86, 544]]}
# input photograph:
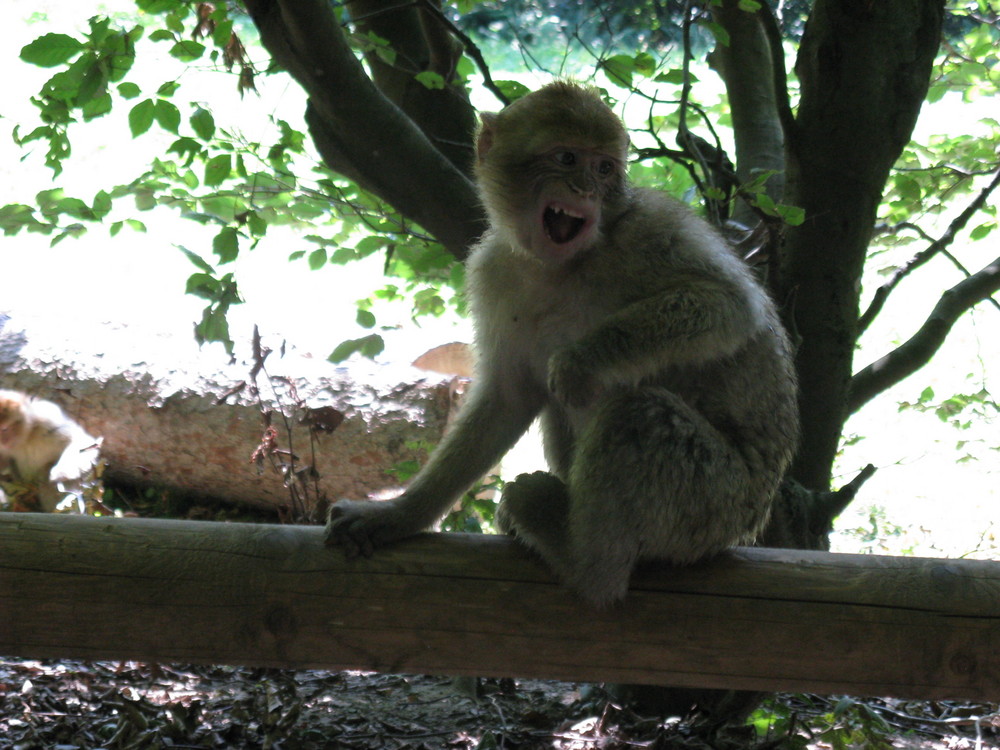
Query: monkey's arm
{"points": [[490, 422], [694, 321]]}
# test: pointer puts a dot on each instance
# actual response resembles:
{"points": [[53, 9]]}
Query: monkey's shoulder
{"points": [[655, 222]]}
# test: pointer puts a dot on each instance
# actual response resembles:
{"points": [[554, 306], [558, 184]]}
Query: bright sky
{"points": [[135, 278]]}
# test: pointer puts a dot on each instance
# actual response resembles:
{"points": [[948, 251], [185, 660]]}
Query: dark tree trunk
{"points": [[864, 69]]}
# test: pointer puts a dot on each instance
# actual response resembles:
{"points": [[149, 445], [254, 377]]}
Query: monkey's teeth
{"points": [[562, 225]]}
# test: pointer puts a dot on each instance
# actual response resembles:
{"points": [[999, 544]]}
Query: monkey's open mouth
{"points": [[562, 225]]}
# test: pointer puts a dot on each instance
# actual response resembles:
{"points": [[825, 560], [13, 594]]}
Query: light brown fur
{"points": [[40, 446], [657, 363]]}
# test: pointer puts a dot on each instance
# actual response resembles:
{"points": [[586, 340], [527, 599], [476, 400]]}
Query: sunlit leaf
{"points": [[226, 245], [217, 170], [203, 124], [50, 50], [187, 50], [140, 117]]}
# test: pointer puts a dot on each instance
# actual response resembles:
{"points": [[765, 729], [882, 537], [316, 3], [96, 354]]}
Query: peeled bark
{"points": [[191, 423]]}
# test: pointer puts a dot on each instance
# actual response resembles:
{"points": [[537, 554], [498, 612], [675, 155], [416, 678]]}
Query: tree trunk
{"points": [[83, 587], [191, 423], [864, 68]]}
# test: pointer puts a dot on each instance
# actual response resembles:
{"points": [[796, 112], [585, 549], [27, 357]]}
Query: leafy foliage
{"points": [[210, 172]]}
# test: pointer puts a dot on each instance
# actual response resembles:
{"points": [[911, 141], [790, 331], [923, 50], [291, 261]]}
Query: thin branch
{"points": [[780, 76], [470, 48], [937, 246], [915, 353]]}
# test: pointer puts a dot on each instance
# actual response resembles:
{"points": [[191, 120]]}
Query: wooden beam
{"points": [[760, 619]]}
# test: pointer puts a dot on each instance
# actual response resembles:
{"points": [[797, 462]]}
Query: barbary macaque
{"points": [[42, 449], [657, 363]]}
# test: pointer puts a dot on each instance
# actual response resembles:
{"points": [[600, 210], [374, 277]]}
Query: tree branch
{"points": [[470, 49], [779, 75], [915, 353], [362, 134], [937, 246]]}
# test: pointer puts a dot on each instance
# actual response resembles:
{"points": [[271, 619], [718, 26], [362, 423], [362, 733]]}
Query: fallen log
{"points": [[267, 595]]}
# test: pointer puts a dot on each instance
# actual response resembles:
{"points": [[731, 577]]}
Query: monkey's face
{"points": [[551, 168], [571, 184]]}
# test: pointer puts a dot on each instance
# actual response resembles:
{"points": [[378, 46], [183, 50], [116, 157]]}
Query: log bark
{"points": [[186, 420], [753, 619]]}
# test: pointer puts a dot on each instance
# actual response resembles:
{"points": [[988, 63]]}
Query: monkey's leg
{"points": [[652, 478], [534, 507]]}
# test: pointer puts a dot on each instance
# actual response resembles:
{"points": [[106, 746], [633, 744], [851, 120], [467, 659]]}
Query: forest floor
{"points": [[67, 705]]}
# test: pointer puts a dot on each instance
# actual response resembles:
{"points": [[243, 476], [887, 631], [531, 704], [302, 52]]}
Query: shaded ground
{"points": [[64, 705]]}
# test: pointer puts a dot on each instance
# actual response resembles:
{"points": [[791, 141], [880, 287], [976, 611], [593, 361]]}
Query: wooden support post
{"points": [[760, 619]]}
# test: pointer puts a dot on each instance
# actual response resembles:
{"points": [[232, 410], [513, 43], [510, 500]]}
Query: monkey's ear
{"points": [[484, 141]]}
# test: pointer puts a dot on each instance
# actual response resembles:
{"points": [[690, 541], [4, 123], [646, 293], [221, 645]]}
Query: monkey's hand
{"points": [[359, 526], [572, 379]]}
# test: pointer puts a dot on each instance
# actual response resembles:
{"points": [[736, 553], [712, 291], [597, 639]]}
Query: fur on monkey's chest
{"points": [[525, 318]]}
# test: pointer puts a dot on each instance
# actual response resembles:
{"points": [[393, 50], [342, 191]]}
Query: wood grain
{"points": [[761, 619]]}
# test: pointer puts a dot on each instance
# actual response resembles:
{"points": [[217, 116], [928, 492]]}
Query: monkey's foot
{"points": [[359, 526], [533, 504]]}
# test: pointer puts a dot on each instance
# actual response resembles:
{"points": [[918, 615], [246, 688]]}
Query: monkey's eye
{"points": [[566, 158], [606, 168]]}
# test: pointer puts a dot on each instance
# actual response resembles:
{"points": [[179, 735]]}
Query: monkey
{"points": [[656, 361], [41, 448]]}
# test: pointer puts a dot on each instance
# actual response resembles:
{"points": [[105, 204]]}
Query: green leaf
{"points": [[168, 89], [908, 188], [145, 200], [791, 215], [223, 32], [671, 76], [167, 115], [214, 327], [226, 245], [102, 205], [187, 50], [983, 230], [430, 79], [257, 224], [203, 124], [74, 207], [140, 117], [217, 170], [198, 262], [366, 319], [645, 63], [512, 89], [619, 69], [50, 50], [15, 216], [368, 346], [96, 107], [317, 259], [128, 90]]}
